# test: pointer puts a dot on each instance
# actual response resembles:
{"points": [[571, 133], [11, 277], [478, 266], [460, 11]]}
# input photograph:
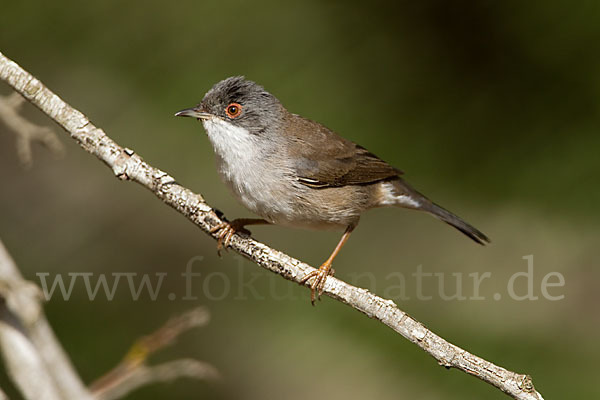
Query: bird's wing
{"points": [[325, 159]]}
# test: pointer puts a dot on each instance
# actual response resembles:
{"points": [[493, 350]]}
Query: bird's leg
{"points": [[227, 229], [321, 274]]}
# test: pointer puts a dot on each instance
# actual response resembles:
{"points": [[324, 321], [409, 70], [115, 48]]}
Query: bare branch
{"points": [[132, 372], [31, 349], [23, 362], [128, 165], [18, 305], [40, 368], [27, 132]]}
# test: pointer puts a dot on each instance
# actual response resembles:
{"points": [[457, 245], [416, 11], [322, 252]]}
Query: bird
{"points": [[292, 171]]}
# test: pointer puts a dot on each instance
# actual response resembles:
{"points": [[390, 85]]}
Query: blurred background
{"points": [[491, 108]]}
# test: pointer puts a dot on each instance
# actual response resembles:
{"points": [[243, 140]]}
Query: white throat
{"points": [[231, 143], [240, 159]]}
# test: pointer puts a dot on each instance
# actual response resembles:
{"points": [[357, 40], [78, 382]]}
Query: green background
{"points": [[491, 109]]}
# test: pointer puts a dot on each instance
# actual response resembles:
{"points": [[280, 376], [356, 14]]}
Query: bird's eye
{"points": [[233, 110]]}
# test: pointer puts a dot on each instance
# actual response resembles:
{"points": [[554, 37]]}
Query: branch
{"points": [[35, 359], [132, 372], [127, 165], [166, 372], [23, 362], [26, 131], [38, 365]]}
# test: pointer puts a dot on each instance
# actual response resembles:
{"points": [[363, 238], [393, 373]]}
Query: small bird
{"points": [[295, 172]]}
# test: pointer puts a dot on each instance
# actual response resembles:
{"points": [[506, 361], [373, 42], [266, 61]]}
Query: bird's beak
{"points": [[194, 113]]}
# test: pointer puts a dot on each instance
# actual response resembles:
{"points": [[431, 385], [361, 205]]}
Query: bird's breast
{"points": [[245, 165]]}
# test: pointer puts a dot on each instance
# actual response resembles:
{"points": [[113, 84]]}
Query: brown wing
{"points": [[325, 159]]}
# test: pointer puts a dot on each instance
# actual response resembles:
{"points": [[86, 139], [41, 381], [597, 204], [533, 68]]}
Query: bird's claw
{"points": [[226, 230], [318, 284]]}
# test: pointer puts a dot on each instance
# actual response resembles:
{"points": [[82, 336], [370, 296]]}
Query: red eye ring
{"points": [[233, 110]]}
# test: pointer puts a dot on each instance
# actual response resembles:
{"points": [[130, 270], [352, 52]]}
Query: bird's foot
{"points": [[226, 230], [319, 277]]}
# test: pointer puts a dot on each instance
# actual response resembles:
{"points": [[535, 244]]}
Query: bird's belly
{"points": [[261, 192]]}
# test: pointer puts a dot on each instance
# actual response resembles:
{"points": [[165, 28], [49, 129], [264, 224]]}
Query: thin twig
{"points": [[128, 165], [166, 372], [132, 372], [27, 132]]}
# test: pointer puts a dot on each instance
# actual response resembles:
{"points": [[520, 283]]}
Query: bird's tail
{"points": [[457, 223], [410, 198]]}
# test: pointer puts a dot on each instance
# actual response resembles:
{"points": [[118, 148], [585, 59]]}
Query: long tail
{"points": [[410, 198], [457, 223]]}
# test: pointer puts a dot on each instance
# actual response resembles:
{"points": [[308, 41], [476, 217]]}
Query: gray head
{"points": [[240, 102]]}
